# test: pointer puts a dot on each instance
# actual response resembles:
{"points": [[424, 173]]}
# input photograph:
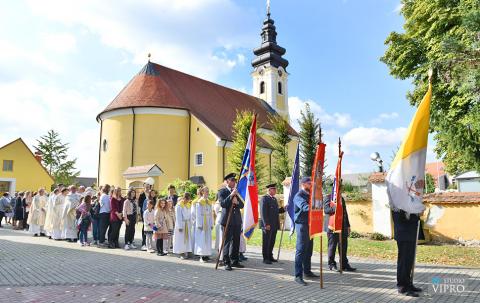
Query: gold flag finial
{"points": [[149, 56]]}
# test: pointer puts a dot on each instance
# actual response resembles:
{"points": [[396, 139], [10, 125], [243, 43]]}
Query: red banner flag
{"points": [[336, 220], [315, 219]]}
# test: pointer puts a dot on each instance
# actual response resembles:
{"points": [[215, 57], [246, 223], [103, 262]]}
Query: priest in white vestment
{"points": [[72, 201], [36, 219], [182, 236], [49, 211], [57, 215], [203, 218]]}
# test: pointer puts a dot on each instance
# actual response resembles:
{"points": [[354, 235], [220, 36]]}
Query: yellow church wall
{"points": [[27, 172], [205, 142], [281, 102], [162, 140], [117, 157], [360, 215]]}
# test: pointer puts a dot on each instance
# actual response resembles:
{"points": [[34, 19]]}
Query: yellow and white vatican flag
{"points": [[406, 177]]}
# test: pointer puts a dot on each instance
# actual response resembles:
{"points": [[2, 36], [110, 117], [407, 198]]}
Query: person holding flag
{"points": [[270, 222], [405, 184], [304, 245]]}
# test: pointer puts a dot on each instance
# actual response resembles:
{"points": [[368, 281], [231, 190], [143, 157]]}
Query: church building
{"points": [[166, 124]]}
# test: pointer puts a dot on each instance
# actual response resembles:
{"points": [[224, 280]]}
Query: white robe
{"points": [[57, 217], [36, 218], [203, 218], [72, 201], [48, 215], [182, 240]]}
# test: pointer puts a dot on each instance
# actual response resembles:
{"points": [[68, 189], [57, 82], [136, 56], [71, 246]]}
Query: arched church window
{"points": [[262, 87], [280, 88], [104, 145]]}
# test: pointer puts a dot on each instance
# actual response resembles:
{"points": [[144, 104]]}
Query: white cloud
{"points": [[363, 136], [398, 8], [384, 116], [181, 34], [59, 42], [296, 105]]}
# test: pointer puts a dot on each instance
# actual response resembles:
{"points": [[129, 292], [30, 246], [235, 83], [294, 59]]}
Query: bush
{"points": [[182, 186], [377, 237], [354, 234]]}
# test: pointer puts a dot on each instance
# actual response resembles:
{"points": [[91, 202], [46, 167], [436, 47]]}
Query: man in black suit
{"points": [[405, 233], [269, 222], [229, 197], [333, 238]]}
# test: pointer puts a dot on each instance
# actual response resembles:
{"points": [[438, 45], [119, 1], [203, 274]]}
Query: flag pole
{"points": [[321, 234], [340, 235], [281, 236]]}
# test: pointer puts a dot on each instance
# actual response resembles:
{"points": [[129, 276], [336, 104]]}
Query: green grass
{"points": [[387, 250]]}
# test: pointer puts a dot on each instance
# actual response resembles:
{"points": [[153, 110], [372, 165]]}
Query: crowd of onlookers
{"points": [[170, 224]]}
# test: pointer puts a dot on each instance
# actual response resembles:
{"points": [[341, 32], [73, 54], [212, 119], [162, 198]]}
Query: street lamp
{"points": [[376, 158]]}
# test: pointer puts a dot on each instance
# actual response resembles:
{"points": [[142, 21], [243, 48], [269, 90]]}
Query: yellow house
{"points": [[21, 169], [166, 124]]}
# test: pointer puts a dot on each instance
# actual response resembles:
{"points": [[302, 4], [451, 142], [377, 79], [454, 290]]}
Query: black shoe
{"points": [[228, 267], [273, 260], [311, 275], [300, 281], [411, 293], [42, 235], [267, 262], [415, 289], [241, 257], [35, 235], [237, 265], [332, 266], [349, 268]]}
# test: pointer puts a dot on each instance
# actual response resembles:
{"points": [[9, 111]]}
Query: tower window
{"points": [[280, 88], [198, 159], [262, 87], [104, 145]]}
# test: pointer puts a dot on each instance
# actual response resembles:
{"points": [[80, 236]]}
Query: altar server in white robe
{"points": [[72, 201], [182, 236], [36, 219], [49, 211], [203, 218], [57, 215]]}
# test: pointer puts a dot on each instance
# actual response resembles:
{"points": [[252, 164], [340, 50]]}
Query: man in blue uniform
{"points": [[269, 222], [405, 233], [304, 245], [229, 197]]}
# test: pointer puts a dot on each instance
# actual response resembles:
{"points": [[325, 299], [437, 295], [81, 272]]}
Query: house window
{"points": [[104, 145], [280, 88], [262, 87], [198, 159], [7, 165]]}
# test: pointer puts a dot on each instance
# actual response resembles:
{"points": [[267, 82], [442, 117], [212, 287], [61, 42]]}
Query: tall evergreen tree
{"points": [[282, 165], [241, 129], [55, 158], [309, 132]]}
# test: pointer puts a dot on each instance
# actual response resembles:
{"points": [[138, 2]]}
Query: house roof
{"points": [[215, 105], [451, 197], [468, 175], [358, 179], [26, 146], [143, 170], [377, 177], [86, 181]]}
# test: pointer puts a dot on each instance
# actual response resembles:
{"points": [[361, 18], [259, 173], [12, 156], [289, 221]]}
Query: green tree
{"points": [[55, 158], [309, 130], [282, 165], [429, 184], [443, 35], [241, 129]]}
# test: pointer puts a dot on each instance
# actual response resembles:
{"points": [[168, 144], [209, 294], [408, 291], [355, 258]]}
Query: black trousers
{"points": [[333, 243], [405, 259], [130, 229], [104, 224], [159, 245], [2, 214], [114, 233], [268, 242], [232, 244]]}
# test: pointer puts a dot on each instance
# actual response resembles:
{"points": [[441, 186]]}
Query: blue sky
{"points": [[62, 62]]}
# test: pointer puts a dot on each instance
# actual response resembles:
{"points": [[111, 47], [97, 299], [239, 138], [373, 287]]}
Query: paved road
{"points": [[41, 270]]}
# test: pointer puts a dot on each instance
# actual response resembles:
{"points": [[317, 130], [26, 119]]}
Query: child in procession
{"points": [[84, 219], [170, 224], [203, 218], [182, 236], [148, 223], [161, 231]]}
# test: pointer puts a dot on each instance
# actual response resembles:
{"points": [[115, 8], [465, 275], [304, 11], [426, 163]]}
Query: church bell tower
{"points": [[269, 69]]}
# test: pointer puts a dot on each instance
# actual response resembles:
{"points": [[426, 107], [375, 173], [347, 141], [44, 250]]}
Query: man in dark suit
{"points": [[304, 245], [405, 233], [334, 238], [229, 197], [269, 222]]}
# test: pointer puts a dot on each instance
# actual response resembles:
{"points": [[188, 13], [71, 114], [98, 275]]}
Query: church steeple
{"points": [[270, 75]]}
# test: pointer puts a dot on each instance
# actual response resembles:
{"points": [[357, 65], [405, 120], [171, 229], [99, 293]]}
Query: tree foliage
{"points": [[443, 35], [429, 184], [241, 129], [55, 158], [282, 165], [309, 131]]}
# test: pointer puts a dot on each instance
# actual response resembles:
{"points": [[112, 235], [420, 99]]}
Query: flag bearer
{"points": [[269, 222]]}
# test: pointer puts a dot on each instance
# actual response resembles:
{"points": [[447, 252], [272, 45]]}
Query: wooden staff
{"points": [[225, 229], [321, 261], [340, 241], [415, 259], [281, 236]]}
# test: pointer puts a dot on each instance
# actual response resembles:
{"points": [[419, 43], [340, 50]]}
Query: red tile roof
{"points": [[377, 177], [452, 197], [213, 104]]}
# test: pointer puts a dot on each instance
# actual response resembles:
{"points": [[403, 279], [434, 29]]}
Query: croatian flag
{"points": [[294, 188], [247, 184]]}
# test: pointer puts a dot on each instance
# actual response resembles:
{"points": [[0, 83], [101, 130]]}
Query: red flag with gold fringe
{"points": [[315, 220]]}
